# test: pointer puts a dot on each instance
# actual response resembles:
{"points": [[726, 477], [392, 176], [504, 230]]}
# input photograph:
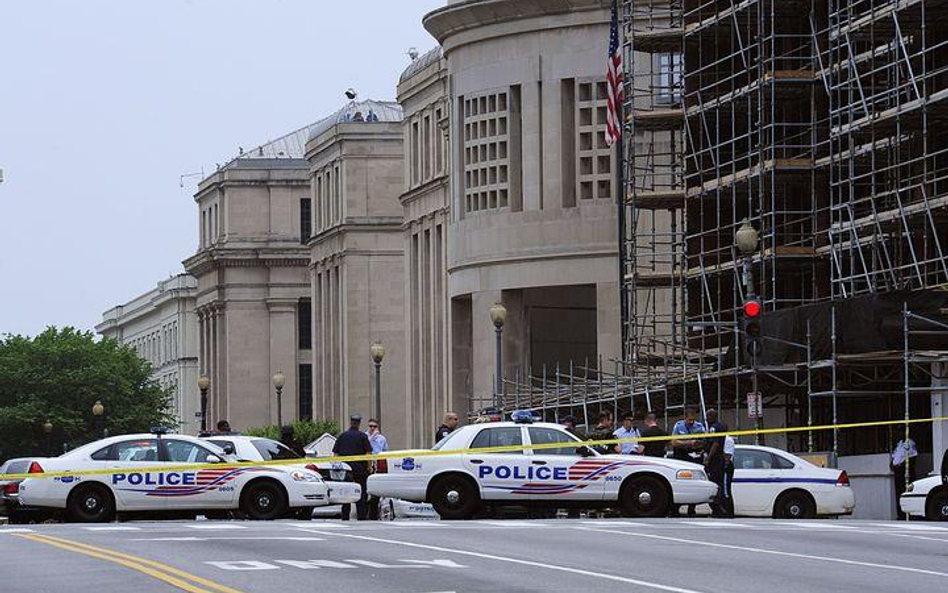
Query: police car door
{"points": [[195, 488], [133, 488], [756, 480], [501, 475], [556, 475]]}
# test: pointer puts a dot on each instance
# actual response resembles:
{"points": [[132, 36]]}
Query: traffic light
{"points": [[753, 343]]}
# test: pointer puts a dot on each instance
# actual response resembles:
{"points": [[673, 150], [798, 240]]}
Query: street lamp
{"points": [[279, 380], [204, 382], [378, 353], [498, 314], [98, 411], [48, 431], [747, 240]]}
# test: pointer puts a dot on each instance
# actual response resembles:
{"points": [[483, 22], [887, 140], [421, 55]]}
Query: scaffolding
{"points": [[822, 124]]}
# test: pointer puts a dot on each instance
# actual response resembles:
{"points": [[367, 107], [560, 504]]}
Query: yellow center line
{"points": [[158, 570]]}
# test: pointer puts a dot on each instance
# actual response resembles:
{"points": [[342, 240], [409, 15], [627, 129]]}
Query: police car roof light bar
{"points": [[523, 417], [159, 430]]}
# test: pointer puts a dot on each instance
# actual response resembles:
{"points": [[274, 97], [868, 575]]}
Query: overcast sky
{"points": [[105, 104]]}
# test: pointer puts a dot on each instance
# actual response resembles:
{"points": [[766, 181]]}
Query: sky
{"points": [[104, 105]]}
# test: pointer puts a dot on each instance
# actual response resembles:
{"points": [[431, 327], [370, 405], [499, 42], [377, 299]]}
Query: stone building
{"points": [[161, 325], [355, 171], [253, 305], [423, 94], [532, 194]]}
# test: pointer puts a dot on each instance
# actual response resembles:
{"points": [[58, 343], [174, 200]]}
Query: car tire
{"points": [[937, 507], [644, 496], [794, 505], [263, 501], [91, 504], [454, 497]]}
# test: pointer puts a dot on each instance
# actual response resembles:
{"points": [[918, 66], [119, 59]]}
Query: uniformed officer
{"points": [[688, 449], [714, 462], [355, 442], [603, 431], [451, 421], [729, 476]]}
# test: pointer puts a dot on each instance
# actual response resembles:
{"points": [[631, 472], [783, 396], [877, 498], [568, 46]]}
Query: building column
{"points": [[283, 356], [939, 409], [608, 323]]}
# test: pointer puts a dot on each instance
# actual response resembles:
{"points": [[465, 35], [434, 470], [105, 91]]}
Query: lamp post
{"points": [[204, 382], [747, 240], [279, 380], [98, 412], [498, 314], [48, 431], [378, 353]]}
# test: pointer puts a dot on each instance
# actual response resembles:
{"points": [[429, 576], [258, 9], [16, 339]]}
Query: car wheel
{"points": [[263, 501], [794, 505], [454, 498], [644, 497], [938, 507], [91, 504]]}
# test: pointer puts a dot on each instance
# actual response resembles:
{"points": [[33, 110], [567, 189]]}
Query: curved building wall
{"points": [[533, 215]]}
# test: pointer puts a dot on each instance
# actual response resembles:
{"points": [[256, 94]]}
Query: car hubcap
{"points": [[263, 502], [944, 511], [795, 510], [645, 498], [453, 496], [92, 503]]}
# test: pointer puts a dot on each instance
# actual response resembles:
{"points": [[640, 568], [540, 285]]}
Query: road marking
{"points": [[553, 567], [217, 526], [913, 536], [772, 552], [912, 527], [709, 523], [515, 524], [315, 564], [16, 530], [112, 528], [427, 523], [229, 539], [154, 569], [241, 565], [817, 524]]}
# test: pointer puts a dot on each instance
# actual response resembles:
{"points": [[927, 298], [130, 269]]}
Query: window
{"points": [[484, 144], [753, 459], [304, 319], [540, 436], [783, 463], [137, 450], [499, 437], [270, 450], [443, 443], [306, 221], [186, 452], [306, 391], [223, 444], [669, 78]]}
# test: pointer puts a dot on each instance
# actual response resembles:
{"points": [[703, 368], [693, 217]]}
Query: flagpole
{"points": [[620, 202]]}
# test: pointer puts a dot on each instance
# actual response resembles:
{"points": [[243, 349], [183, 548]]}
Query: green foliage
{"points": [[58, 376], [304, 431]]}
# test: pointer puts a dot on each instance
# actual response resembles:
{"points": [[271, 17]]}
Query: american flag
{"points": [[614, 80]]}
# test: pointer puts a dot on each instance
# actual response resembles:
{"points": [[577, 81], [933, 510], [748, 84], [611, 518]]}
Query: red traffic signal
{"points": [[751, 308]]}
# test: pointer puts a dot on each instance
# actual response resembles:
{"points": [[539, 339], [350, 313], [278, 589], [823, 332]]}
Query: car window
{"points": [[503, 436], [539, 435], [16, 466], [222, 443], [137, 450], [753, 459], [186, 452], [781, 462], [270, 450], [103, 454]]}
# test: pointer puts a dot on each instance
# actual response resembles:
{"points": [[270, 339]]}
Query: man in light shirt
{"points": [[903, 455], [376, 438], [729, 476], [627, 431]]}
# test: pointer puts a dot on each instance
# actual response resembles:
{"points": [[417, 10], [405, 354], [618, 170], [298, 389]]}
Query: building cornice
{"points": [[362, 224], [441, 182], [512, 259], [217, 257]]}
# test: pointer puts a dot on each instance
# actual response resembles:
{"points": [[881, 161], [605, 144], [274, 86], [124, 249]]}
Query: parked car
{"points": [[10, 504], [926, 498]]}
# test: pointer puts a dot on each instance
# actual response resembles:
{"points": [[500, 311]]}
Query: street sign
{"points": [[755, 405]]}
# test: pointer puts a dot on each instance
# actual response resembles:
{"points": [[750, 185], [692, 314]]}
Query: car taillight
{"points": [[843, 479], [11, 488], [312, 467], [35, 468], [381, 466]]}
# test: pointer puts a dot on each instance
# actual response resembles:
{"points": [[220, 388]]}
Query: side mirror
{"points": [[228, 449], [211, 458], [584, 451]]}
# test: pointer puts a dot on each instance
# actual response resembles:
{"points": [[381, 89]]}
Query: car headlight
{"points": [[910, 487], [691, 474], [301, 476]]}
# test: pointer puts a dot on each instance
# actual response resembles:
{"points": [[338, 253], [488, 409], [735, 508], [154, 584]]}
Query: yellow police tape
{"points": [[413, 453]]}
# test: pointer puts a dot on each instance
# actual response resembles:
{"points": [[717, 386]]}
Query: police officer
{"points": [[450, 423], [355, 442], [714, 463], [603, 431], [688, 449]]}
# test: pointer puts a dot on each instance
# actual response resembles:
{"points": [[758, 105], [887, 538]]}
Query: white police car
{"points": [[769, 482], [458, 484], [338, 476], [265, 492], [926, 498]]}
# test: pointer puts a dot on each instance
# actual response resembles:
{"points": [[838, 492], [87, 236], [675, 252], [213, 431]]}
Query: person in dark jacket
{"points": [[603, 432], [451, 421], [944, 468], [355, 442], [288, 439], [652, 429]]}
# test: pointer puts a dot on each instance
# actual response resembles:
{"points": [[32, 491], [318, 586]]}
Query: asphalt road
{"points": [[701, 555]]}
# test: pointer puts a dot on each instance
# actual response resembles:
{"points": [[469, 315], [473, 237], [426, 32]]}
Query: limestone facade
{"points": [[161, 325], [355, 160]]}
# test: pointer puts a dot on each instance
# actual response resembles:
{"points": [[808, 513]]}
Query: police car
{"points": [[263, 492], [926, 498], [457, 484], [769, 482], [338, 476]]}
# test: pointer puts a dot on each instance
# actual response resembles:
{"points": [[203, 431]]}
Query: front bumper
{"points": [[344, 492], [913, 504], [693, 491]]}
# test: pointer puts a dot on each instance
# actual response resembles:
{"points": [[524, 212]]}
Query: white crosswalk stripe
{"points": [[112, 528], [217, 526]]}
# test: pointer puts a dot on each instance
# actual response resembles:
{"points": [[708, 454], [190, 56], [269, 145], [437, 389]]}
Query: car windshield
{"points": [[271, 450]]}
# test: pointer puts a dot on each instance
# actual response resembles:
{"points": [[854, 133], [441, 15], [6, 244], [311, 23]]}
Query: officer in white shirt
{"points": [[728, 494], [627, 431], [902, 456]]}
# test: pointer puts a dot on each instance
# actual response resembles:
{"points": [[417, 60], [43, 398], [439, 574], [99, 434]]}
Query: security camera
{"points": [[351, 94]]}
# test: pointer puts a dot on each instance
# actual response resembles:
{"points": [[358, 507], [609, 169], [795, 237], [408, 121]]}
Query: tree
{"points": [[58, 376]]}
